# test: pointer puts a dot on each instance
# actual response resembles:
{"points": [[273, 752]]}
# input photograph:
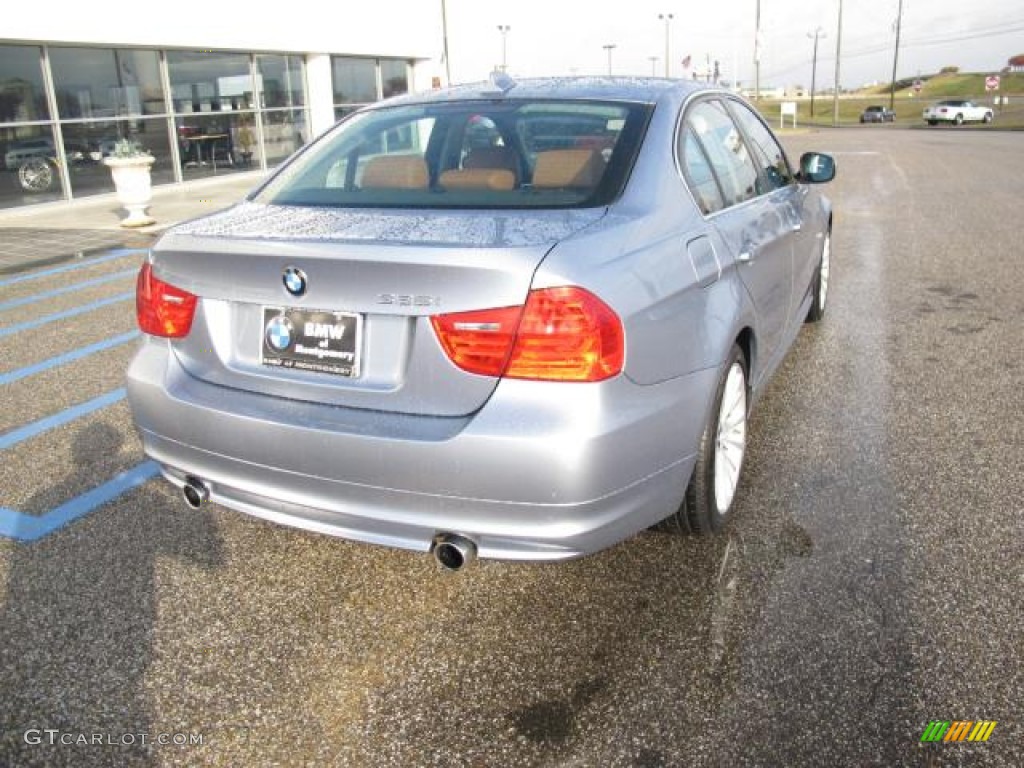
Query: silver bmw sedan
{"points": [[519, 320]]}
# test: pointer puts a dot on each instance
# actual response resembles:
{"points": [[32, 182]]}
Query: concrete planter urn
{"points": [[130, 168]]}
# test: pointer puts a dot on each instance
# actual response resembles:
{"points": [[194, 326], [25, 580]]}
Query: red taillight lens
{"points": [[562, 334], [162, 309], [478, 342]]}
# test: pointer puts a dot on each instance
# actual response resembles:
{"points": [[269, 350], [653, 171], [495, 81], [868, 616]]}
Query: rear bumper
{"points": [[541, 472]]}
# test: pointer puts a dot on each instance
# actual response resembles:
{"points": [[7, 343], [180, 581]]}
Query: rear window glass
{"points": [[488, 154]]}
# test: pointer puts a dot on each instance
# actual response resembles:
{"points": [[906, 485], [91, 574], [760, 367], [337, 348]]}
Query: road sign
{"points": [[992, 83], [918, 85]]}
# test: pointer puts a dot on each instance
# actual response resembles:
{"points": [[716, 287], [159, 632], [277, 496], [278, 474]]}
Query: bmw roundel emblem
{"points": [[279, 333], [294, 280]]}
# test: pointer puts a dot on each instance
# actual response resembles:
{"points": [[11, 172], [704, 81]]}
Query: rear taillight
{"points": [[162, 309], [561, 334]]}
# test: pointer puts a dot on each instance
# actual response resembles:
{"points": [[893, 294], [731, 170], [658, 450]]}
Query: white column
{"points": [[321, 92]]}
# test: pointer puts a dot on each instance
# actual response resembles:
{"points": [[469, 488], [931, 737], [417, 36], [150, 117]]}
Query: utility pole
{"points": [[839, 46], [757, 52], [819, 32], [609, 47], [667, 18], [895, 58], [444, 33], [654, 63]]}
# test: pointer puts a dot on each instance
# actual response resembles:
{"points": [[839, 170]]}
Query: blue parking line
{"points": [[22, 527], [27, 326], [12, 303], [20, 434], [68, 357], [117, 253]]}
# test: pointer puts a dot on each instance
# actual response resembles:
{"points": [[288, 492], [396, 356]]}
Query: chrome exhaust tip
{"points": [[452, 551], [195, 492]]}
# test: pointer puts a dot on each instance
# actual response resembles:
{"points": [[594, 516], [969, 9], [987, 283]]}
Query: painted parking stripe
{"points": [[20, 434], [68, 357], [117, 253], [29, 325], [12, 303], [22, 527]]}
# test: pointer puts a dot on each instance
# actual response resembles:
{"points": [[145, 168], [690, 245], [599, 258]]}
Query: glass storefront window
{"points": [[355, 80], [280, 81], [98, 83], [29, 172], [284, 131], [209, 82], [211, 145], [87, 143], [394, 77], [22, 93]]}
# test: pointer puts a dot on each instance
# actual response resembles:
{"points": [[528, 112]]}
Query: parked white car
{"points": [[956, 112], [26, 149]]}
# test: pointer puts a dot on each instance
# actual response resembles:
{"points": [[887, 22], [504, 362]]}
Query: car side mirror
{"points": [[817, 168]]}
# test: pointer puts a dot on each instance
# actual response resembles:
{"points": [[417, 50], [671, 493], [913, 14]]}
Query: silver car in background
{"points": [[524, 320]]}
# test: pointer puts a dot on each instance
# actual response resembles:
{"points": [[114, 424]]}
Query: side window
{"points": [[709, 124], [698, 173], [770, 157]]}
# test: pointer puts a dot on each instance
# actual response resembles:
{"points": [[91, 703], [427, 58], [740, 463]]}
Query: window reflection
{"points": [[86, 144], [209, 82], [280, 81], [22, 93], [95, 83], [29, 172], [394, 77], [210, 145], [355, 80], [283, 133]]}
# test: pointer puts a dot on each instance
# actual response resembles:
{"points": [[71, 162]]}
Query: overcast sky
{"points": [[552, 37]]}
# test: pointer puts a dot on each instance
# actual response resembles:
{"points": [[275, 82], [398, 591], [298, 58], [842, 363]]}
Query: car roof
{"points": [[635, 89]]}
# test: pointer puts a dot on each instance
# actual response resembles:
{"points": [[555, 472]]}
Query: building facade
{"points": [[210, 93]]}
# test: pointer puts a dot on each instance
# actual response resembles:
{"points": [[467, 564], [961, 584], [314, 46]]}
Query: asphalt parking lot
{"points": [[869, 584]]}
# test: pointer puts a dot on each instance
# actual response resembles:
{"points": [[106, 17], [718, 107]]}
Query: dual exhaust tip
{"points": [[452, 552]]}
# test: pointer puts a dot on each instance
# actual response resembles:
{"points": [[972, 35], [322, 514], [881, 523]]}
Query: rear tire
{"points": [[958, 120], [712, 489], [819, 292]]}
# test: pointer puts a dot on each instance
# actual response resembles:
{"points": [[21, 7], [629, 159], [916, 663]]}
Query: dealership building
{"points": [[208, 89]]}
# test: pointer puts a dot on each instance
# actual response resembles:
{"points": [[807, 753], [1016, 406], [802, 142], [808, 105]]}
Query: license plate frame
{"points": [[316, 340]]}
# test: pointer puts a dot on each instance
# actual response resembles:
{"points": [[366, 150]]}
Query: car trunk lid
{"points": [[372, 281]]}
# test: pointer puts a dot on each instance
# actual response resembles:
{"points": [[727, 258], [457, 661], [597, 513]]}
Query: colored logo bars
{"points": [[958, 730]]}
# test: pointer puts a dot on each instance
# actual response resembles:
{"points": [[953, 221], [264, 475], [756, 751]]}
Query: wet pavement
{"points": [[869, 583]]}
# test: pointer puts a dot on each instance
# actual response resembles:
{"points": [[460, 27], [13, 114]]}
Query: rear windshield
{"points": [[488, 154]]}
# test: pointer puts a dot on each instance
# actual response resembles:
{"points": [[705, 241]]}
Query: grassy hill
{"points": [[960, 85], [909, 104]]}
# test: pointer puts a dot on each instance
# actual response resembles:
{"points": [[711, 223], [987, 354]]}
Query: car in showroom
{"points": [[956, 112], [877, 114], [519, 320]]}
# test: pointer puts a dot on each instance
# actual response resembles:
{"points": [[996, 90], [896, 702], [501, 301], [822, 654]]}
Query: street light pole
{"points": [[839, 46], [667, 18], [819, 32], [504, 29], [609, 47]]}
